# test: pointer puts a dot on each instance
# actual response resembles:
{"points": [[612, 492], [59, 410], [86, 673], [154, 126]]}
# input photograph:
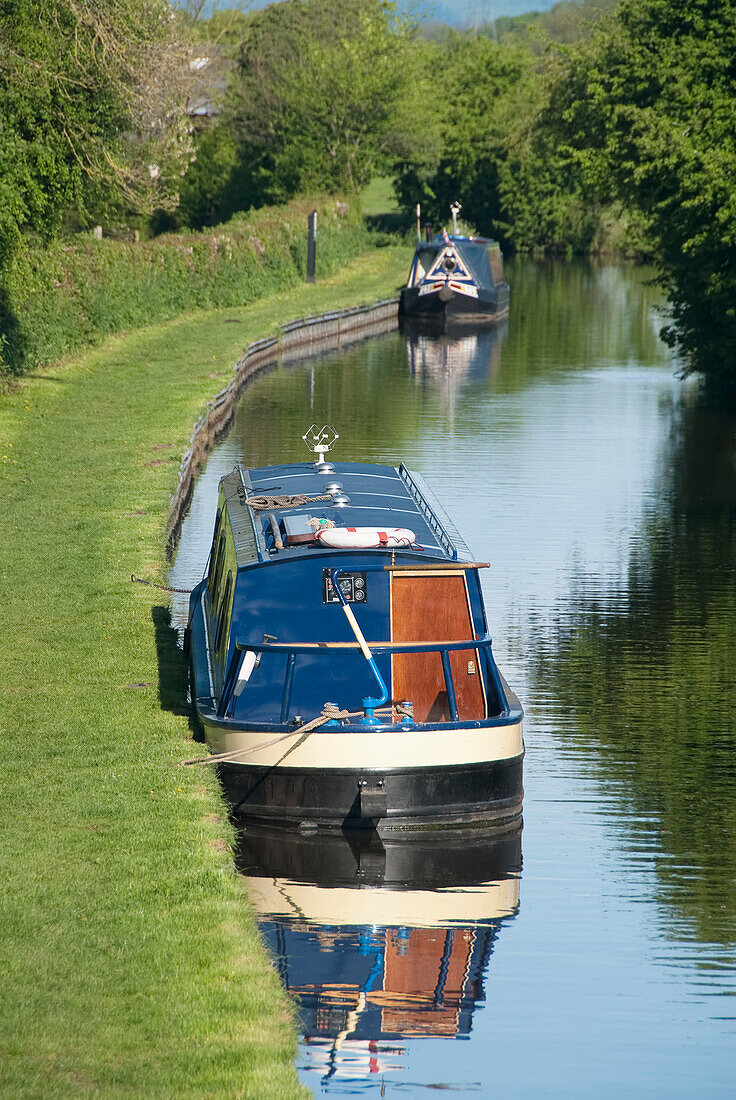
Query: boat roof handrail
{"points": [[436, 517], [250, 547], [435, 566], [378, 647]]}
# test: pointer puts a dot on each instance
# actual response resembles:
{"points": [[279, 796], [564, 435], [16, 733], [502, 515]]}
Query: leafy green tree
{"points": [[327, 94], [485, 88], [646, 110], [542, 206], [567, 21], [545, 202], [508, 171], [208, 194], [92, 110], [501, 157]]}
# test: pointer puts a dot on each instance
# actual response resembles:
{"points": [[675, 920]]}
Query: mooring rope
{"points": [[330, 712], [268, 503], [163, 587]]}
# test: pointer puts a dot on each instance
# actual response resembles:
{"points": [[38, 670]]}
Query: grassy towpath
{"points": [[131, 960]]}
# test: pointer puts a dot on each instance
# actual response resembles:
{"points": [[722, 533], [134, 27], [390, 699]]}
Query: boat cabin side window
{"points": [[214, 551], [423, 260], [217, 571], [223, 615]]}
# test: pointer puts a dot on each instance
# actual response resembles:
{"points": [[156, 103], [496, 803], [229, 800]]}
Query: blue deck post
{"points": [[449, 684], [369, 703], [288, 681]]}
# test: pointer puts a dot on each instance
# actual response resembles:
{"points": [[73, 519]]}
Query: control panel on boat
{"points": [[353, 585]]}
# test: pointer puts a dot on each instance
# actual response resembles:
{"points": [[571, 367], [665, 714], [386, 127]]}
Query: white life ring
{"points": [[365, 537]]}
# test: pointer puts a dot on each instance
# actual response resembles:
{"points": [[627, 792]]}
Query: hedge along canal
{"points": [[59, 299], [130, 953]]}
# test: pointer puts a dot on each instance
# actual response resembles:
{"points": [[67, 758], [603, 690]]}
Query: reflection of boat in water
{"points": [[454, 354], [380, 940]]}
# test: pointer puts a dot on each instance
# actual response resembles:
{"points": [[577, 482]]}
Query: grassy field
{"points": [[381, 209], [131, 959], [378, 197]]}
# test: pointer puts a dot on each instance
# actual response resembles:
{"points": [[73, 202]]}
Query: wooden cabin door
{"points": [[434, 607]]}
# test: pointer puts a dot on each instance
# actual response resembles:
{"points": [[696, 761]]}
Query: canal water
{"points": [[594, 954]]}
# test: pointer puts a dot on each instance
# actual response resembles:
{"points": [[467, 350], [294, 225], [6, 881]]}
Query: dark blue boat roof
{"points": [[379, 497]]}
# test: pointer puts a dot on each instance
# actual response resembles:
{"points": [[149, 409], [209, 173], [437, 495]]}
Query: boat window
{"points": [[213, 554], [426, 257], [217, 573], [222, 617]]}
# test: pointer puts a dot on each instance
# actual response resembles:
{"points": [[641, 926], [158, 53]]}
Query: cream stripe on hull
{"points": [[341, 906], [406, 748]]}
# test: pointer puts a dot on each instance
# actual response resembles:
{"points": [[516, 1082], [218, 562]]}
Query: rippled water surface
{"points": [[603, 492]]}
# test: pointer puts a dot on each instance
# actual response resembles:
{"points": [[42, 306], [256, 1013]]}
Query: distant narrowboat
{"points": [[455, 278], [340, 660]]}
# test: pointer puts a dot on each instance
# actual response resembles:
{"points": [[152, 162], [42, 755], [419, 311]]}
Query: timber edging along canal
{"points": [[298, 339]]}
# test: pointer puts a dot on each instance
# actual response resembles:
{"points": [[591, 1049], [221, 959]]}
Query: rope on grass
{"points": [[163, 587]]}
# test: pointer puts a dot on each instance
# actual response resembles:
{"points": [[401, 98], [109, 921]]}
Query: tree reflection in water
{"points": [[648, 672]]}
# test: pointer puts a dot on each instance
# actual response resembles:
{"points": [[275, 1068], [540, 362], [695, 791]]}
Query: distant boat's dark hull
{"points": [[445, 304]]}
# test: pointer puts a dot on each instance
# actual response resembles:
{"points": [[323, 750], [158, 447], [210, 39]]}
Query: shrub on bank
{"points": [[70, 294]]}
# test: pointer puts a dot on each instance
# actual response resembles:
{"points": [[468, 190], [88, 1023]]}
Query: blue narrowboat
{"points": [[455, 278], [339, 655]]}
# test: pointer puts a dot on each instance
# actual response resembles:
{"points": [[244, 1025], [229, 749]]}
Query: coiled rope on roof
{"points": [[273, 503]]}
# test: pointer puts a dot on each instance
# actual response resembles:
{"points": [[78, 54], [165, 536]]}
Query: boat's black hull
{"points": [[449, 305], [487, 794]]}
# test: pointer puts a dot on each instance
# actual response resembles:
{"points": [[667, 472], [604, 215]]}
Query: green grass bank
{"points": [[72, 293], [131, 958]]}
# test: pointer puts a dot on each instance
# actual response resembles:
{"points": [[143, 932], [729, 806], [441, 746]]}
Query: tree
{"points": [[566, 21], [646, 110], [209, 192], [500, 156], [545, 201], [485, 86], [92, 110], [327, 94]]}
